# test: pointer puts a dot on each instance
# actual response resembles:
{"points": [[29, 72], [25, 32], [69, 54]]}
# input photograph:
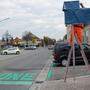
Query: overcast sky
{"points": [[41, 17]]}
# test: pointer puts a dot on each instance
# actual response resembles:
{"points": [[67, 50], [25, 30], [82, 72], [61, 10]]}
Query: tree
{"points": [[33, 40], [12, 41], [65, 37], [49, 41], [46, 40], [3, 40], [27, 37], [17, 40], [7, 37]]}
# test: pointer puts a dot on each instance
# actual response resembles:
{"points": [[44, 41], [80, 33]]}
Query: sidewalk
{"points": [[55, 78], [81, 83]]}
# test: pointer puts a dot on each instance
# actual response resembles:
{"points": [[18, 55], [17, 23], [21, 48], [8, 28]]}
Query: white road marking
{"points": [[42, 76]]}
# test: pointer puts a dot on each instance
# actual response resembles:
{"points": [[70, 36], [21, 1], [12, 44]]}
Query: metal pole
{"points": [[82, 52], [68, 62], [72, 50], [73, 54]]}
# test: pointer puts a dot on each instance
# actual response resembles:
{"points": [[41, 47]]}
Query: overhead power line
{"points": [[4, 19]]}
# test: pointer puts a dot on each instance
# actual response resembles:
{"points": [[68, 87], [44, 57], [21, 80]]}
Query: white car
{"points": [[13, 50]]}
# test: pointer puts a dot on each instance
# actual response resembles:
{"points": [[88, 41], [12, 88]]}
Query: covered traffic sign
{"points": [[69, 5], [74, 14]]}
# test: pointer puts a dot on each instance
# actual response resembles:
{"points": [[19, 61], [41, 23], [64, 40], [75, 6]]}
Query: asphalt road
{"points": [[18, 72]]}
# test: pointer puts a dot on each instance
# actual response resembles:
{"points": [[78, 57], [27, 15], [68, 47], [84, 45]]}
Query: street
{"points": [[44, 44], [31, 68], [18, 72]]}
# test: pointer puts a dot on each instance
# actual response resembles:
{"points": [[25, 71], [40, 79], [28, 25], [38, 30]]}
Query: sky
{"points": [[41, 17]]}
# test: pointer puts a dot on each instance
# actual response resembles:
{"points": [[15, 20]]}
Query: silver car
{"points": [[30, 47]]}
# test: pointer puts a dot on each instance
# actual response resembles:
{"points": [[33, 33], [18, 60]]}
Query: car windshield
{"points": [[61, 45], [13, 48]]}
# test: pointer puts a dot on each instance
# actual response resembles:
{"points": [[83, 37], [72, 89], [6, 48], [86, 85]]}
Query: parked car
{"points": [[61, 51], [50, 47], [13, 50], [32, 47]]}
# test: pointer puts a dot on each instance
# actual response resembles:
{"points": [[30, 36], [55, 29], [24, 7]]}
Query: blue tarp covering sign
{"points": [[74, 14], [71, 5]]}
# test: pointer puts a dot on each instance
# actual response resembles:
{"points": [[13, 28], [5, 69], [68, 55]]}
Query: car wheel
{"points": [[5, 53], [17, 52], [64, 62]]}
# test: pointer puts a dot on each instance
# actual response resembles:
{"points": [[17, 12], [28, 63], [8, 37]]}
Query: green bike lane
{"points": [[17, 79], [18, 76], [21, 74], [58, 72], [25, 76]]}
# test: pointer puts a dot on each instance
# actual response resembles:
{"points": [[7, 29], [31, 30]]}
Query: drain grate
{"points": [[39, 82]]}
